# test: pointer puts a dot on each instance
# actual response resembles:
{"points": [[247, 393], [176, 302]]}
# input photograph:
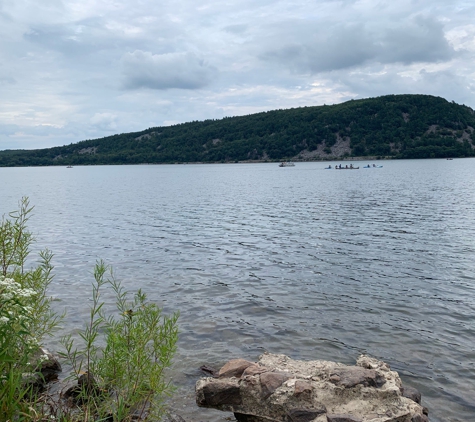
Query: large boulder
{"points": [[279, 389]]}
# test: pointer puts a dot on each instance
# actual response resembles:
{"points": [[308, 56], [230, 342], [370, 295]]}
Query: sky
{"points": [[72, 70]]}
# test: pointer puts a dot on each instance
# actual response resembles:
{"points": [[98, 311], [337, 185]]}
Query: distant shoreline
{"points": [[323, 160]]}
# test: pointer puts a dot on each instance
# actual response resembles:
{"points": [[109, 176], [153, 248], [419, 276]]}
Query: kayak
{"points": [[346, 168]]}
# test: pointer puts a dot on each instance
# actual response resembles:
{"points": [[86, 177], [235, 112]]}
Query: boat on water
{"points": [[286, 164], [346, 168], [69, 167], [372, 167]]}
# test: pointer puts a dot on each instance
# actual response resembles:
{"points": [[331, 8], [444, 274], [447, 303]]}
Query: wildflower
{"points": [[26, 292]]}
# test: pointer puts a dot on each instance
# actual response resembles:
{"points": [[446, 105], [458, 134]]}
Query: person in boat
{"points": [[374, 165], [351, 166]]}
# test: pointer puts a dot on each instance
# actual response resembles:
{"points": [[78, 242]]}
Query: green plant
{"points": [[124, 377], [120, 367], [25, 313]]}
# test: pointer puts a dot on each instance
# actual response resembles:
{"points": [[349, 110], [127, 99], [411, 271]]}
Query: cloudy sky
{"points": [[81, 69]]}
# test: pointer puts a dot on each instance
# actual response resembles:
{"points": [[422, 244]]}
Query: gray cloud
{"points": [[77, 39], [309, 48], [74, 70], [315, 49], [142, 69], [9, 129], [418, 40], [236, 29]]}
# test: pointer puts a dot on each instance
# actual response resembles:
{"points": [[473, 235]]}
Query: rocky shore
{"points": [[279, 389]]}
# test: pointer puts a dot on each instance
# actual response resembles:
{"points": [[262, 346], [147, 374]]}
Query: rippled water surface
{"points": [[313, 263]]}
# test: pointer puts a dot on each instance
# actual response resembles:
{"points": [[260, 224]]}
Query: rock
{"points": [[33, 380], [234, 368], [85, 386], [342, 418], [87, 382], [420, 418], [254, 370], [240, 417], [279, 389], [411, 393], [172, 417], [271, 381], [302, 387], [140, 411], [46, 368], [305, 415], [209, 370], [219, 393], [351, 376], [49, 366], [294, 415]]}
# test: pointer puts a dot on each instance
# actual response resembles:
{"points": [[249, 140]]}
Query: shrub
{"points": [[120, 367], [122, 379], [25, 313]]}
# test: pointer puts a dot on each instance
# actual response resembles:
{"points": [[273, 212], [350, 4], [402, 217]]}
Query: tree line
{"points": [[392, 126]]}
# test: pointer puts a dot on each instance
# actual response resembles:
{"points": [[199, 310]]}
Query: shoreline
{"points": [[322, 160]]}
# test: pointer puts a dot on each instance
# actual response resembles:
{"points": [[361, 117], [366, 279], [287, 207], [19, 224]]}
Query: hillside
{"points": [[396, 126]]}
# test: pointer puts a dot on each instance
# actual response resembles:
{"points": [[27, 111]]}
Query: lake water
{"points": [[312, 263]]}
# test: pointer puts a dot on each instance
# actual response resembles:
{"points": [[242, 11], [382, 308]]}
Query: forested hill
{"points": [[397, 126]]}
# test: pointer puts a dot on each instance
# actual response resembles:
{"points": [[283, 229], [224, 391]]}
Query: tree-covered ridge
{"points": [[397, 126]]}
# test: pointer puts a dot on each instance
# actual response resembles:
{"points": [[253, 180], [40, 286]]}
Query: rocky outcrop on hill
{"points": [[279, 389]]}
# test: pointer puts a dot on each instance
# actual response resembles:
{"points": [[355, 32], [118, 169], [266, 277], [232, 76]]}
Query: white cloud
{"points": [[462, 38], [104, 121]]}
